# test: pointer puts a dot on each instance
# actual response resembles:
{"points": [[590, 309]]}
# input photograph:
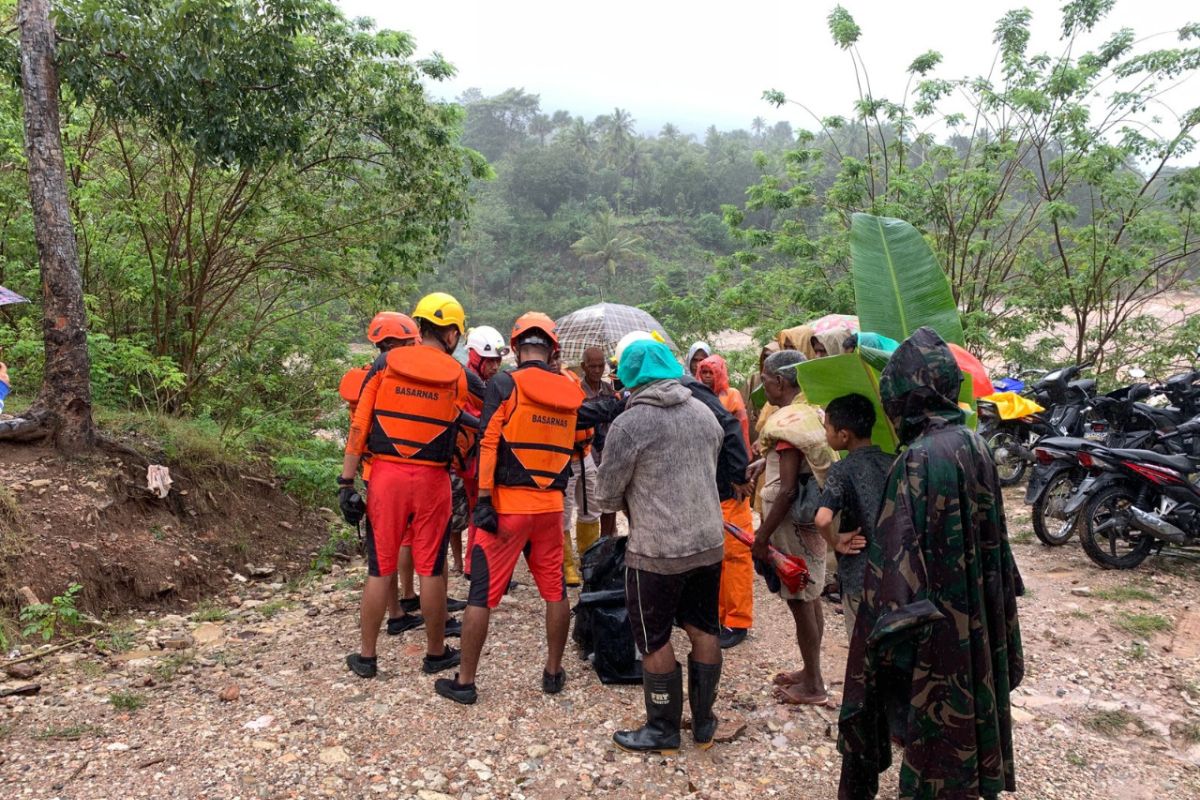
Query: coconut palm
{"points": [[605, 243], [619, 136]]}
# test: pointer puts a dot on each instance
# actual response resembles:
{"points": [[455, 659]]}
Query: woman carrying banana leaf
{"points": [[937, 646]]}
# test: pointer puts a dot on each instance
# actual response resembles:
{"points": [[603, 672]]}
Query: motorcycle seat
{"points": [[1182, 464]]}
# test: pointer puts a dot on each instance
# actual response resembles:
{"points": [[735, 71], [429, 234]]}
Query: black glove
{"points": [[485, 516], [352, 505]]}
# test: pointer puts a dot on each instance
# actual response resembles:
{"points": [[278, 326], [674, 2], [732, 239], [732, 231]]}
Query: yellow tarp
{"points": [[1011, 405]]}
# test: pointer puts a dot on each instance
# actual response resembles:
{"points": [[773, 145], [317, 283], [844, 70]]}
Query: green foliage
{"points": [[209, 611], [126, 701], [1060, 210], [248, 182], [1121, 594], [169, 668], [898, 285], [56, 617], [342, 538], [1113, 723], [1142, 624], [69, 732]]}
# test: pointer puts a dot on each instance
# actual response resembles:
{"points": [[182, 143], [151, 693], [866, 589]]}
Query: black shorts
{"points": [[656, 602]]}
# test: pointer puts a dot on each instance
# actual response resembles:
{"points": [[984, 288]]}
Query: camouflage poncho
{"points": [[937, 647]]}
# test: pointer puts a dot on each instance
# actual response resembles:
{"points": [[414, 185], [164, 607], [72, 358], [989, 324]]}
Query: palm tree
{"points": [[541, 126], [759, 126], [606, 244], [580, 138], [669, 132], [619, 133]]}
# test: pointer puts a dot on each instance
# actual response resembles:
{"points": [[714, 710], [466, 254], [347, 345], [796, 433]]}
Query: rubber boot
{"points": [[702, 693], [664, 714], [586, 535], [570, 568]]}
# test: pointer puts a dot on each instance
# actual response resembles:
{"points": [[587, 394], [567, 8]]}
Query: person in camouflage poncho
{"points": [[937, 646]]}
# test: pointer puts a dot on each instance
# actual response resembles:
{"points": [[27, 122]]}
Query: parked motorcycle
{"points": [[1134, 502], [1066, 400]]}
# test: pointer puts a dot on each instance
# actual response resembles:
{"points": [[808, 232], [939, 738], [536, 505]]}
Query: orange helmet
{"points": [[534, 321], [392, 325]]}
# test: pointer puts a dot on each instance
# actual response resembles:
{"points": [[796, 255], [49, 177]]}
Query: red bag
{"points": [[792, 570]]}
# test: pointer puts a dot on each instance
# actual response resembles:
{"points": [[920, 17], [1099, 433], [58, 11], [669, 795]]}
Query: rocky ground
{"points": [[248, 697]]}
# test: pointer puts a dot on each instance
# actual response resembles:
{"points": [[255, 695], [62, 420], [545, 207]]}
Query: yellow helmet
{"points": [[441, 309]]}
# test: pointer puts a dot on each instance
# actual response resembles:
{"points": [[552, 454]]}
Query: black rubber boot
{"points": [[664, 713], [703, 680]]}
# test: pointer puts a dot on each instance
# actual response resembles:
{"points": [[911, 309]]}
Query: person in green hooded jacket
{"points": [[936, 650]]}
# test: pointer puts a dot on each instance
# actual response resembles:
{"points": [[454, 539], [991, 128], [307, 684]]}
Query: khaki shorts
{"points": [[807, 543]]}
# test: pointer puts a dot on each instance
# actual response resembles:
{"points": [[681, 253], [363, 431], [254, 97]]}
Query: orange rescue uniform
{"points": [[408, 415], [529, 420]]}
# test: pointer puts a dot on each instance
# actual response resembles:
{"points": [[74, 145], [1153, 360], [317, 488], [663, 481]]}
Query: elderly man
{"points": [[595, 385], [795, 453], [660, 464]]}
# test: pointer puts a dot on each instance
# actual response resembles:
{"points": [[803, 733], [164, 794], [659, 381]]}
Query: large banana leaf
{"points": [[898, 284], [824, 379]]}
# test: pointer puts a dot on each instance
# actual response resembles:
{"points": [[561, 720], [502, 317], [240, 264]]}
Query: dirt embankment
{"points": [[93, 521]]}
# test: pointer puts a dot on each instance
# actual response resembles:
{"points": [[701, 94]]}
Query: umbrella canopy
{"points": [[602, 325], [9, 297], [831, 321], [981, 384]]}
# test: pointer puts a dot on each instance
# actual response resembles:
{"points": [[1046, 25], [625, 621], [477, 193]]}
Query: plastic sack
{"points": [[601, 619], [1010, 405]]}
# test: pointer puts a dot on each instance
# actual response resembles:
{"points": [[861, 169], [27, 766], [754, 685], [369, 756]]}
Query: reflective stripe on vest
{"points": [[538, 438], [416, 407]]}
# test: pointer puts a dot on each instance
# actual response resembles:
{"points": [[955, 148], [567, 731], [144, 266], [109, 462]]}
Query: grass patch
{"points": [[1076, 760], [1138, 651], [91, 669], [342, 539], [167, 669], [126, 701], [10, 509], [69, 732], [1189, 732], [351, 582], [194, 443], [1080, 614], [1123, 594], [1022, 536], [119, 640], [209, 611], [1111, 723], [273, 607], [1142, 624]]}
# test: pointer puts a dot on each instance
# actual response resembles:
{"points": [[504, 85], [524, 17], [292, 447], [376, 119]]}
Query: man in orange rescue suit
{"points": [[528, 435], [388, 330], [407, 419]]}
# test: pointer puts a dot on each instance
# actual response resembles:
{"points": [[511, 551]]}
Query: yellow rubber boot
{"points": [[586, 534], [570, 569]]}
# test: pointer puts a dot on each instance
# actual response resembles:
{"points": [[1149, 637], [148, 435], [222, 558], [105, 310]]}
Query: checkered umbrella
{"points": [[9, 297], [602, 325]]}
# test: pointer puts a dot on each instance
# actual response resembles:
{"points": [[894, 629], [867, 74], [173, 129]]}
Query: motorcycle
{"points": [[1134, 502], [1066, 400]]}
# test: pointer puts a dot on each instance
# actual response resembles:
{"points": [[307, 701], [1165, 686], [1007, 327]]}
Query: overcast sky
{"points": [[701, 63]]}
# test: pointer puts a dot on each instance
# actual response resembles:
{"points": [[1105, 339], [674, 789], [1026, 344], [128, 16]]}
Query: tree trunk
{"points": [[65, 400]]}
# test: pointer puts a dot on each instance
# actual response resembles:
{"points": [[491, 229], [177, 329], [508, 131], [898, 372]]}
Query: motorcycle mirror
{"points": [[1137, 373]]}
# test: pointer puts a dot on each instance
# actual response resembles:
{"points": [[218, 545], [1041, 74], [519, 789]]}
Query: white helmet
{"points": [[487, 341], [630, 338]]}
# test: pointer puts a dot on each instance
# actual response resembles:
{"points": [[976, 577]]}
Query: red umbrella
{"points": [[981, 384]]}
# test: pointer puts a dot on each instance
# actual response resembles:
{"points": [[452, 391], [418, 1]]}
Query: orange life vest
{"points": [[352, 385], [538, 437], [416, 408]]}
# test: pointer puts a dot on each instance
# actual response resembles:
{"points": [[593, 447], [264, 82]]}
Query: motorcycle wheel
{"points": [[1010, 468], [1118, 546], [1052, 530]]}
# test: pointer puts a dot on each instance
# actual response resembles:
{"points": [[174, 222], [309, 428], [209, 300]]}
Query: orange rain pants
{"points": [[737, 569]]}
